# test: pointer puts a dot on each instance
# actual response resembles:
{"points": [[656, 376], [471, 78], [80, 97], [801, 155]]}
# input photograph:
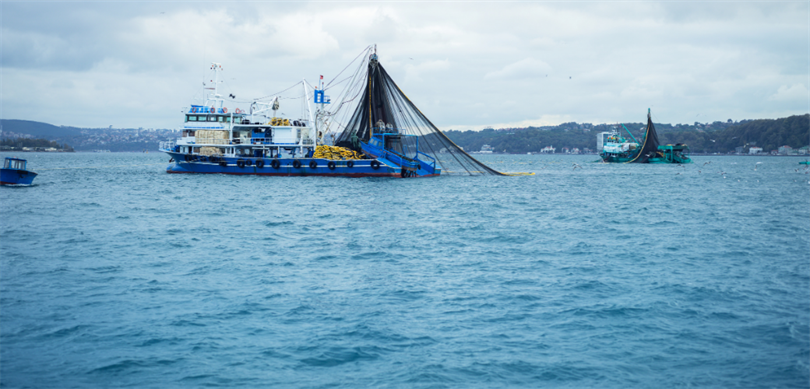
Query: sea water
{"points": [[114, 273]]}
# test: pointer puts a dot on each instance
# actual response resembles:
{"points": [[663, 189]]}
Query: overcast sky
{"points": [[467, 65]]}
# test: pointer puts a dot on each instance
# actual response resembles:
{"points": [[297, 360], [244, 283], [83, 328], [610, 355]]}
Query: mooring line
{"points": [[100, 167]]}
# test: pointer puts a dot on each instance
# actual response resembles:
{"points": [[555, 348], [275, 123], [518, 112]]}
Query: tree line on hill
{"points": [[88, 139], [20, 143], [718, 137]]}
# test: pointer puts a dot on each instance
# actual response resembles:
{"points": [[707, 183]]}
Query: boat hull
{"points": [[16, 177], [284, 167]]}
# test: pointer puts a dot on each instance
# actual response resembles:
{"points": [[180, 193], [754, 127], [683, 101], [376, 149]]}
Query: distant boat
{"points": [[14, 172], [617, 149]]}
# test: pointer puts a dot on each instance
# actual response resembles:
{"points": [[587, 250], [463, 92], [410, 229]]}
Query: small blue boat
{"points": [[14, 173]]}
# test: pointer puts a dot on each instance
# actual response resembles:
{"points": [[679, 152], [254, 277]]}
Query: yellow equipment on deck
{"points": [[336, 153]]}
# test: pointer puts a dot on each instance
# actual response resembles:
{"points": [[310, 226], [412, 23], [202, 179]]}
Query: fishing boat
{"points": [[385, 136], [14, 172], [614, 148], [260, 141]]}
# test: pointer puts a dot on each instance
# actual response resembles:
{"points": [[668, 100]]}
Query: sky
{"points": [[467, 65]]}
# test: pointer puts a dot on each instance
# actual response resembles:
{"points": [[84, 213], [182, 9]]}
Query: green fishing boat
{"points": [[614, 148]]}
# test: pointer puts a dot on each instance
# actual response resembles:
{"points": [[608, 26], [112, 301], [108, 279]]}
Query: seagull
{"points": [[576, 166], [707, 163]]}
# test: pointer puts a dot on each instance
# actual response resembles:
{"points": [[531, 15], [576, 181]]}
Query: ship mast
{"points": [[216, 67]]}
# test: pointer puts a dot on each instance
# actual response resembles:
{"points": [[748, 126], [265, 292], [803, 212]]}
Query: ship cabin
{"points": [[15, 163], [211, 131]]}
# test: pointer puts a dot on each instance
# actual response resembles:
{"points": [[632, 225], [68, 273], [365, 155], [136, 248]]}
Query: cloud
{"points": [[796, 92], [136, 64], [526, 68]]}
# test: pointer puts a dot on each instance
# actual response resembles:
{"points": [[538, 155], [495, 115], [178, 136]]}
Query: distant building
{"points": [[548, 149], [486, 149], [804, 150], [755, 150], [785, 150]]}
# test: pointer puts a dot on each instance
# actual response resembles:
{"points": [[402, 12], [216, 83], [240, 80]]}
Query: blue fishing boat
{"points": [[260, 141], [14, 172], [385, 136]]}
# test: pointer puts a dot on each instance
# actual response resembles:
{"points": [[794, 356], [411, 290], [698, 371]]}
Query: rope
{"points": [[100, 167], [278, 93]]}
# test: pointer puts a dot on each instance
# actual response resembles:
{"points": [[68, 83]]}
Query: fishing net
{"points": [[649, 148], [383, 107]]}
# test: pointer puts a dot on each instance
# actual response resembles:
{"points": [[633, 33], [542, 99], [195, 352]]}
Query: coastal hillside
{"points": [[87, 139], [717, 137]]}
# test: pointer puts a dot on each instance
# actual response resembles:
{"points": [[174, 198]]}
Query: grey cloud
{"points": [[474, 64]]}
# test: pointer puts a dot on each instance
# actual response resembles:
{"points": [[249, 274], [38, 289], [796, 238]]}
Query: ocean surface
{"points": [[116, 274]]}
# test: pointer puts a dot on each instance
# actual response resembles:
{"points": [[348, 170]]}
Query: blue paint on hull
{"points": [[16, 177], [360, 168]]}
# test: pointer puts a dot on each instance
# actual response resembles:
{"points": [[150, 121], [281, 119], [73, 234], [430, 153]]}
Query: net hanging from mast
{"points": [[382, 106], [650, 147]]}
